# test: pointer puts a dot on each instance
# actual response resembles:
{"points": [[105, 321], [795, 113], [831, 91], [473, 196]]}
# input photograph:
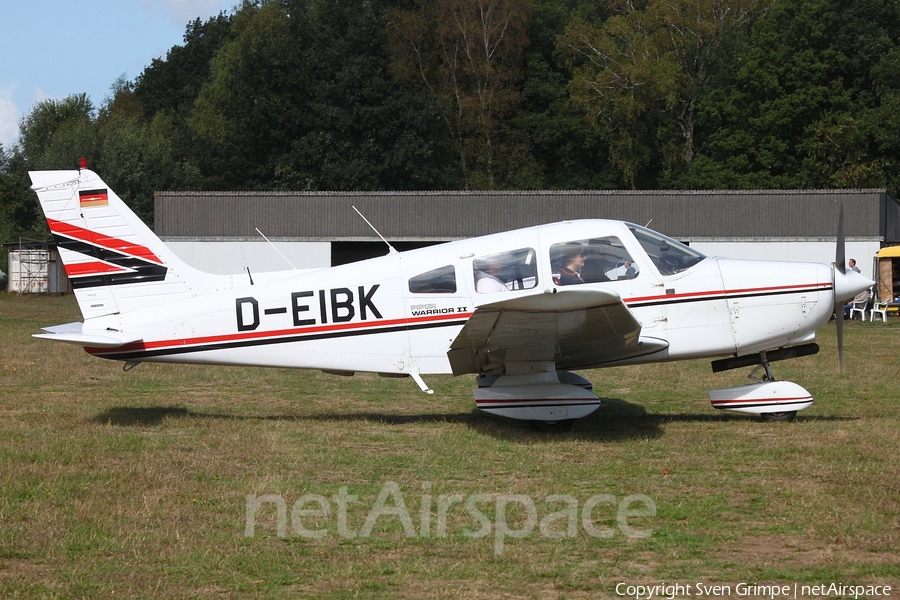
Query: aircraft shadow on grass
{"points": [[617, 420], [621, 421]]}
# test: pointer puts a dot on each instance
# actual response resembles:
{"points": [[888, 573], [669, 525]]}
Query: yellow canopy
{"points": [[889, 252]]}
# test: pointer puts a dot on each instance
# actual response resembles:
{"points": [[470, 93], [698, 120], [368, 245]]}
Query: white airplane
{"points": [[520, 309]]}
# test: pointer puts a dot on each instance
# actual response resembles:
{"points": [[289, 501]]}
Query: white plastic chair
{"points": [[881, 309], [859, 307]]}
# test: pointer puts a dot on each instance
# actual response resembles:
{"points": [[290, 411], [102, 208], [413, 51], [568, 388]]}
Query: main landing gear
{"points": [[552, 426], [550, 400]]}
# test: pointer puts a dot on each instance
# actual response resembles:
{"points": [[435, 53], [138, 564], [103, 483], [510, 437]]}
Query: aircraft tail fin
{"points": [[114, 261]]}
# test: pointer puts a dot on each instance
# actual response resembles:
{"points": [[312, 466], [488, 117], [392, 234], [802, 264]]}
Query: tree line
{"points": [[489, 94]]}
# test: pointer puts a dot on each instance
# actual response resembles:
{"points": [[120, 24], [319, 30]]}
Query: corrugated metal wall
{"points": [[453, 215]]}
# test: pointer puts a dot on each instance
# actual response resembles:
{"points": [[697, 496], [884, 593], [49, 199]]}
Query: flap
{"points": [[575, 328]]}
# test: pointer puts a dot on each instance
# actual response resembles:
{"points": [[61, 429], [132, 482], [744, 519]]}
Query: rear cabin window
{"points": [[438, 281], [591, 261], [506, 271]]}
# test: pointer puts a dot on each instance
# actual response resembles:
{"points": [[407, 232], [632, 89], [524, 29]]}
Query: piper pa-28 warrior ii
{"points": [[521, 310]]}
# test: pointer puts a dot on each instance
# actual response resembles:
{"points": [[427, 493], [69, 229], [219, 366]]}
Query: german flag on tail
{"points": [[90, 198]]}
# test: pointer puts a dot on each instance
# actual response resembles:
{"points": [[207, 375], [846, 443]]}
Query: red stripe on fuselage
{"points": [[761, 290], [260, 335], [375, 325], [104, 241]]}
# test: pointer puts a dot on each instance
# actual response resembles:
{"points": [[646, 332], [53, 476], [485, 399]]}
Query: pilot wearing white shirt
{"points": [[487, 282]]}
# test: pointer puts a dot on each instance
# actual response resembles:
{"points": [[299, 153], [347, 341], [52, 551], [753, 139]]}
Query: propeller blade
{"points": [[839, 262], [840, 265], [839, 320]]}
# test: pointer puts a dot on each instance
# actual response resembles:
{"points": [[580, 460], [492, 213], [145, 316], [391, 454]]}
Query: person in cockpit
{"points": [[572, 262], [487, 277]]}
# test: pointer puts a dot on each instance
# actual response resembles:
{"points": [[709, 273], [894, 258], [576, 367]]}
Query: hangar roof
{"points": [[706, 214]]}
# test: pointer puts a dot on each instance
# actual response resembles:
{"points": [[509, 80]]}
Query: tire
{"points": [[779, 416], [552, 426]]}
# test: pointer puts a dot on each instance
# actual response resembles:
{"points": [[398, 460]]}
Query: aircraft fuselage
{"points": [[388, 315]]}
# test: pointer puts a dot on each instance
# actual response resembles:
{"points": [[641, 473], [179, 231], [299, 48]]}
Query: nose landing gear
{"points": [[772, 400]]}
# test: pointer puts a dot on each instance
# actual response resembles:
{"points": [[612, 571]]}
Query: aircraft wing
{"points": [[575, 328], [72, 333]]}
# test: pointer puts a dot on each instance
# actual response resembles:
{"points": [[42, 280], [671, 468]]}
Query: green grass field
{"points": [[138, 484]]}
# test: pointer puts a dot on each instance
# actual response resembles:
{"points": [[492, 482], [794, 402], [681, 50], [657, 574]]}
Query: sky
{"points": [[55, 48]]}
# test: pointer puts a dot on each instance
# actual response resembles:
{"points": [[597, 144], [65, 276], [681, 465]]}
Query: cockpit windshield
{"points": [[668, 255]]}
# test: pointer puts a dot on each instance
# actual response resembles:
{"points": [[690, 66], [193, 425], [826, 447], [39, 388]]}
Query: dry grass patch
{"points": [[136, 484]]}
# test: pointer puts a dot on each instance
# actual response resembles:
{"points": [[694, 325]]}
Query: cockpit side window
{"points": [[591, 260], [669, 256], [437, 281], [506, 271]]}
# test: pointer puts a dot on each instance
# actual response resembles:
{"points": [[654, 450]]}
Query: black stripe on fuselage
{"points": [[175, 350], [724, 296], [145, 354]]}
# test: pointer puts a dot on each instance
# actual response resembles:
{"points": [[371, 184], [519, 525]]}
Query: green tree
{"points": [[812, 102], [240, 115], [469, 56], [52, 136], [56, 133], [569, 151], [137, 156], [300, 97], [168, 88], [20, 214], [641, 73], [364, 130], [171, 85]]}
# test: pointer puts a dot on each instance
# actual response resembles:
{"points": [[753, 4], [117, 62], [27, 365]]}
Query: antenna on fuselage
{"points": [[391, 249], [648, 223], [246, 266], [276, 249]]}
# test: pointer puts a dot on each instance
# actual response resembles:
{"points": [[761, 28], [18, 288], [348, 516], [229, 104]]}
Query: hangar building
{"points": [[217, 231]]}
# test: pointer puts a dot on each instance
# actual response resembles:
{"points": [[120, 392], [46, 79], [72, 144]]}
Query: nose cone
{"points": [[849, 284]]}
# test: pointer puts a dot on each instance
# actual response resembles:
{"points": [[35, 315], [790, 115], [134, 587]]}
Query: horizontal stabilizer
{"points": [[72, 333]]}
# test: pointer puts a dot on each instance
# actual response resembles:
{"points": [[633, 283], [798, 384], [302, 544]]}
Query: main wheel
{"points": [[552, 426], [779, 416]]}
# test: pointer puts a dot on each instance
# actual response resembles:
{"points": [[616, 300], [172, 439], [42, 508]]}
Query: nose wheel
{"points": [[766, 377], [770, 399]]}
